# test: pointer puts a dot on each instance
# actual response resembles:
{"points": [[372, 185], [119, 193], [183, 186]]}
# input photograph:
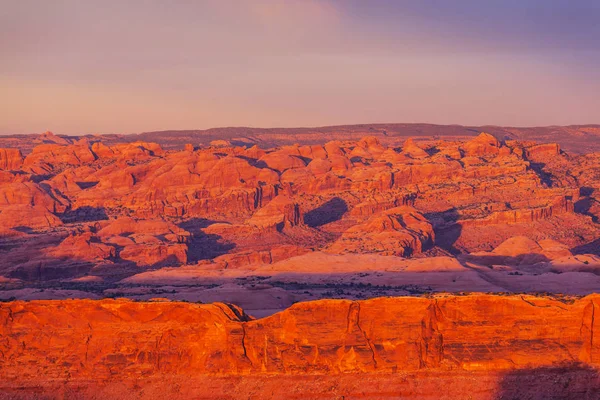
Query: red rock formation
{"points": [[49, 137], [31, 194], [127, 151], [399, 231], [281, 211], [558, 206], [412, 150], [10, 159], [27, 217], [146, 242], [83, 245], [521, 250], [483, 145], [461, 188], [95, 343], [249, 258], [49, 157], [281, 161], [542, 151]]}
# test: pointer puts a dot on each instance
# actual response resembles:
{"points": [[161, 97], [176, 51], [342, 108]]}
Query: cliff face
{"points": [[121, 340]]}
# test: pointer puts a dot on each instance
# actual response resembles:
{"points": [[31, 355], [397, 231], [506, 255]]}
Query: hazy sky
{"points": [[83, 66]]}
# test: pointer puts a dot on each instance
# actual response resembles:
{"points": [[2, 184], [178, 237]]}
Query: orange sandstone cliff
{"points": [[484, 342]]}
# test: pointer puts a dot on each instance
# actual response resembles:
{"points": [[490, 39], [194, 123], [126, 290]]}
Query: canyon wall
{"points": [[110, 341]]}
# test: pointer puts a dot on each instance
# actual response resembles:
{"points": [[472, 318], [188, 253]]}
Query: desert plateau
{"points": [[299, 199], [349, 260]]}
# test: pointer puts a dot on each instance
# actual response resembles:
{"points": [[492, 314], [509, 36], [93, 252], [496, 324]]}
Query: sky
{"points": [[112, 66]]}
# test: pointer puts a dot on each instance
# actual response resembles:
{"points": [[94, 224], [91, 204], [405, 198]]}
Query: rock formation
{"points": [[343, 215], [103, 209], [399, 231], [115, 343], [466, 196], [11, 159]]}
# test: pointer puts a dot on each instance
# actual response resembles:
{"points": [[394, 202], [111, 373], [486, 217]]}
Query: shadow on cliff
{"points": [[84, 214], [585, 203], [330, 211], [43, 269], [447, 230], [48, 268], [592, 247], [545, 177], [203, 246], [565, 382], [493, 259], [32, 260], [583, 207]]}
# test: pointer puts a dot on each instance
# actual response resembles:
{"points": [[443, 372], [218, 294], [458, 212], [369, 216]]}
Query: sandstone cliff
{"points": [[109, 341]]}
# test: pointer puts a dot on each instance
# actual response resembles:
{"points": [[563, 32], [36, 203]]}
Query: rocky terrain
{"points": [[374, 219], [264, 228], [488, 347]]}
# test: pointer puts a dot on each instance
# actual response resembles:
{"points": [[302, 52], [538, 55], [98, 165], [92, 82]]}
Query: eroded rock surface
{"points": [[110, 216], [67, 343]]}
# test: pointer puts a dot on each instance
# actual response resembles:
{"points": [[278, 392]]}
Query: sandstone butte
{"points": [[483, 345], [79, 207]]}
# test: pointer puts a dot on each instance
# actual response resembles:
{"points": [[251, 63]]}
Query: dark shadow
{"points": [[84, 214], [41, 178], [446, 229], [432, 151], [24, 229], [358, 159], [592, 247], [583, 205], [576, 381], [252, 161], [497, 259], [206, 246], [86, 185], [306, 160], [169, 261], [52, 269], [260, 164], [545, 177], [446, 237], [195, 225], [241, 143], [38, 269], [585, 202], [203, 246], [330, 211], [586, 191], [239, 313]]}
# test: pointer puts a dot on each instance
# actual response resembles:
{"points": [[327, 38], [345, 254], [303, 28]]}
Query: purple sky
{"points": [[82, 66]]}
